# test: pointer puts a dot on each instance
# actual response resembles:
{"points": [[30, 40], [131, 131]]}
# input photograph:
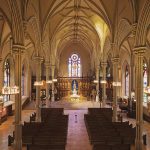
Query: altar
{"points": [[75, 97]]}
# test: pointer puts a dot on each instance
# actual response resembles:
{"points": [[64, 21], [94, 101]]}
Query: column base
{"points": [[53, 99], [47, 103], [103, 103], [38, 114], [114, 119], [97, 98], [138, 144], [18, 137]]}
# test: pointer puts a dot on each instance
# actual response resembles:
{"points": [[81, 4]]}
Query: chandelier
{"points": [[10, 90], [116, 83], [38, 83]]}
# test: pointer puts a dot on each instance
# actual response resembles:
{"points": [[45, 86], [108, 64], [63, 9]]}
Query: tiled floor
{"points": [[77, 135]]}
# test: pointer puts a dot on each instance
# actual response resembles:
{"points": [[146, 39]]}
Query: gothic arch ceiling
{"points": [[81, 21], [77, 21], [4, 30], [148, 37], [125, 47]]}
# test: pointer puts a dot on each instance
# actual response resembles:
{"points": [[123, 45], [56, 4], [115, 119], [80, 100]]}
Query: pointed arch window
{"points": [[108, 72], [74, 66], [145, 79], [127, 81], [23, 80], [6, 77]]}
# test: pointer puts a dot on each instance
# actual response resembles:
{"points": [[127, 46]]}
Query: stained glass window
{"points": [[144, 80], [23, 77], [6, 77], [127, 81], [108, 73], [74, 66]]}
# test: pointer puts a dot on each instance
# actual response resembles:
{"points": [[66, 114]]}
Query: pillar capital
{"points": [[113, 44], [104, 64], [47, 64], [115, 59], [16, 48], [38, 59], [139, 50], [53, 66]]}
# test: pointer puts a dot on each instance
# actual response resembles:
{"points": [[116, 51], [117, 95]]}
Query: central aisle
{"points": [[77, 138]]}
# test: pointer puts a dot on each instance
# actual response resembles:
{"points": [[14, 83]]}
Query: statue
{"points": [[74, 89], [74, 85], [74, 95]]}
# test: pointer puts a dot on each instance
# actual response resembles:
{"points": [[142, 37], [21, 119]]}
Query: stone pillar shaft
{"points": [[53, 86], [17, 50], [47, 85], [104, 65], [139, 97], [38, 78], [1, 74], [115, 79], [97, 86]]}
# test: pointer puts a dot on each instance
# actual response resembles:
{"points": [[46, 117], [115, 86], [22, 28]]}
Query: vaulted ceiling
{"points": [[51, 25], [88, 22]]}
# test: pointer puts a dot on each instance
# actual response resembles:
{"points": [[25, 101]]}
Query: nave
{"points": [[77, 137]]}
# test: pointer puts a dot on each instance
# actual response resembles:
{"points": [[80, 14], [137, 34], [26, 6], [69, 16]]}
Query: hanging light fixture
{"points": [[116, 83], [10, 90], [38, 83], [49, 81], [103, 81], [54, 80], [95, 81]]}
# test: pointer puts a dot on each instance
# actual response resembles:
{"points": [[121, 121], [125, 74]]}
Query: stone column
{"points": [[38, 60], [17, 51], [53, 86], [104, 65], [47, 66], [132, 80], [1, 85], [132, 74], [139, 51], [115, 61], [1, 74], [97, 86]]}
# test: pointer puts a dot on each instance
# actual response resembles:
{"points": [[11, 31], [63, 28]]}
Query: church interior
{"points": [[75, 74]]}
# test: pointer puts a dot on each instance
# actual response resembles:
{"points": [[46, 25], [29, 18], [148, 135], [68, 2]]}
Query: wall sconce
{"points": [[95, 81], [116, 83], [103, 81], [49, 81], [54, 80], [38, 83]]}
